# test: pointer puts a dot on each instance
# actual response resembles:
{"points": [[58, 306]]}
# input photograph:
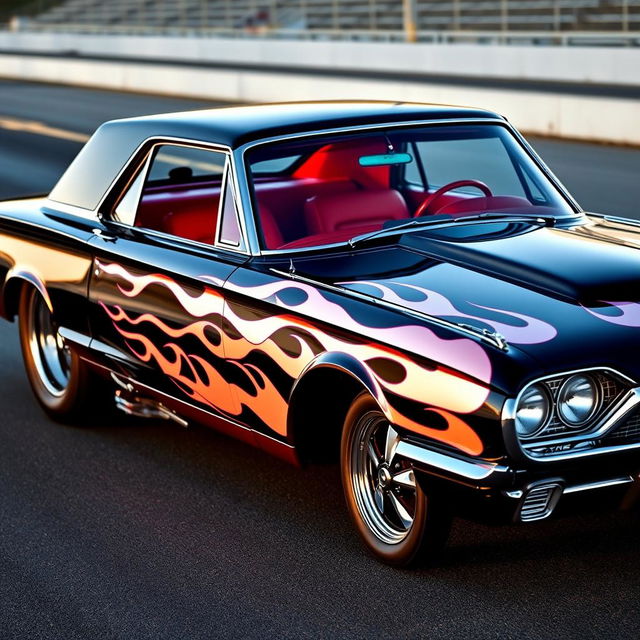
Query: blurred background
{"points": [[593, 21], [566, 72], [151, 532]]}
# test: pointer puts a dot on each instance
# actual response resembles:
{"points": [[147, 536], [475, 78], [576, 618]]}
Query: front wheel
{"points": [[59, 378], [397, 520]]}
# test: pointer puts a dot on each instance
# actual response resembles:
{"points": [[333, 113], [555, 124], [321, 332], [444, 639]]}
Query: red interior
{"points": [[338, 212], [329, 198], [189, 211]]}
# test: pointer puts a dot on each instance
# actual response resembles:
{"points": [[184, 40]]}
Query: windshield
{"points": [[329, 189]]}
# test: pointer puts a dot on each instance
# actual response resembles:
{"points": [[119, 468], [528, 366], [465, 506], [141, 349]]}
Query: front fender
{"points": [[348, 364]]}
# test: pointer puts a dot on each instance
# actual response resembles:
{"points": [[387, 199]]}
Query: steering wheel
{"points": [[428, 205]]}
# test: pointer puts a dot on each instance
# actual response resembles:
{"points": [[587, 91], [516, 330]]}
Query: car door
{"points": [[162, 254]]}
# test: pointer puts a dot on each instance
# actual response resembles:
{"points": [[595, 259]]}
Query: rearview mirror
{"points": [[384, 159]]}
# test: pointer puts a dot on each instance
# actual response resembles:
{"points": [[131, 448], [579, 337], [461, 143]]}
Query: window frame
{"points": [[244, 151], [140, 165]]}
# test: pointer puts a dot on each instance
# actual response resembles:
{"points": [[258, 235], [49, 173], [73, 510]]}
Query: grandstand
{"points": [[336, 18]]}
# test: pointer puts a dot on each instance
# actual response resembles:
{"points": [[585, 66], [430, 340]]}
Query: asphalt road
{"points": [[142, 530]]}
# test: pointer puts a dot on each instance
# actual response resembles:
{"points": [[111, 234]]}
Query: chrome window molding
{"points": [[227, 176], [244, 149], [145, 163], [607, 422]]}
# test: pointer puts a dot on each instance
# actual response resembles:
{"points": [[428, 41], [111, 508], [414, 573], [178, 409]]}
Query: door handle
{"points": [[107, 237]]}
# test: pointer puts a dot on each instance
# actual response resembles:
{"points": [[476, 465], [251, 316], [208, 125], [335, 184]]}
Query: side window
{"points": [[179, 194], [230, 233]]}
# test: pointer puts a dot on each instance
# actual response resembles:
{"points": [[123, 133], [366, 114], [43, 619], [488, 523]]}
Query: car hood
{"points": [[566, 297]]}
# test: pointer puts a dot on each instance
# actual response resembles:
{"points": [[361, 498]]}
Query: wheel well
{"points": [[318, 408], [11, 297]]}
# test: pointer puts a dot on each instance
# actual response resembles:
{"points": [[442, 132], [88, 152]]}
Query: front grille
{"points": [[628, 431], [539, 502]]}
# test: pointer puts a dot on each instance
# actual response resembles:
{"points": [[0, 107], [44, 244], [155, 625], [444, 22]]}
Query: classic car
{"points": [[404, 288]]}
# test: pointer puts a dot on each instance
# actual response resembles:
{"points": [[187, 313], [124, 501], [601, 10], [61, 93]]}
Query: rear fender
{"points": [[15, 278]]}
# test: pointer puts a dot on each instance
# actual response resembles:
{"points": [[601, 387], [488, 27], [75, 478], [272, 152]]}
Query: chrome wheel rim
{"points": [[51, 356], [384, 485]]}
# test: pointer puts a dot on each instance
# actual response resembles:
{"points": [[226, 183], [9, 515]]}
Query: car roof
{"points": [[112, 145], [235, 126]]}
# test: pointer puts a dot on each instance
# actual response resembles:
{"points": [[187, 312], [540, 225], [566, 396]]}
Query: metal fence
{"points": [[540, 21]]}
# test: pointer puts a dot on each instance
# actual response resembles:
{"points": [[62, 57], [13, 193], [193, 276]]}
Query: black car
{"points": [[403, 287]]}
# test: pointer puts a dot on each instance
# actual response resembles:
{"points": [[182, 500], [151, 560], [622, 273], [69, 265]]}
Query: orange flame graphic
{"points": [[437, 388]]}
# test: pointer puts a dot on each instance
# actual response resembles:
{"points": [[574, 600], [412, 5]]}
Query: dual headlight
{"points": [[577, 401]]}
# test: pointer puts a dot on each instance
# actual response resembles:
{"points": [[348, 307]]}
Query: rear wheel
{"points": [[59, 378], [397, 520]]}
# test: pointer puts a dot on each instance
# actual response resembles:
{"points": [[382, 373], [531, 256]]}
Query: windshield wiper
{"points": [[446, 220]]}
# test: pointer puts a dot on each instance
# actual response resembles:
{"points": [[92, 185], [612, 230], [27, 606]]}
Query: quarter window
{"points": [[180, 194], [230, 233]]}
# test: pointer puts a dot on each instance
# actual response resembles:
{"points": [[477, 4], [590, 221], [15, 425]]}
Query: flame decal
{"points": [[461, 354], [532, 330], [209, 302], [628, 316], [436, 389]]}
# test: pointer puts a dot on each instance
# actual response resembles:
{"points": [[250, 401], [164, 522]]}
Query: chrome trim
{"points": [[141, 407], [607, 422], [144, 166], [617, 219], [545, 495], [393, 125], [143, 171], [545, 169], [241, 246], [375, 479], [587, 453], [475, 471], [50, 354], [495, 340], [75, 337], [602, 484]]}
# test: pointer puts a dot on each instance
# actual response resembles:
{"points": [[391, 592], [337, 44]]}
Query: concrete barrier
{"points": [[592, 65], [569, 115]]}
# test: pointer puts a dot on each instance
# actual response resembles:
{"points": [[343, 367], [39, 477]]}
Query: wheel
{"points": [[59, 378], [396, 519]]}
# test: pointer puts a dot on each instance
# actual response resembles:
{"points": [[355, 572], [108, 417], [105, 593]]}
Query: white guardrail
{"points": [[258, 70]]}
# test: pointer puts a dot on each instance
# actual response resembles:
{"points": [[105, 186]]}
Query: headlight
{"points": [[578, 400], [532, 410]]}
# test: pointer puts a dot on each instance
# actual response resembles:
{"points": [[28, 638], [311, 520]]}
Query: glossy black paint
{"points": [[92, 172], [550, 290]]}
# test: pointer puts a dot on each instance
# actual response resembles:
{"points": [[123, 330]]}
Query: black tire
{"points": [[398, 521], [60, 380]]}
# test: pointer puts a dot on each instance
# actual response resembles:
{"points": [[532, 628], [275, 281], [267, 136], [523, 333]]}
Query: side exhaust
{"points": [[135, 405]]}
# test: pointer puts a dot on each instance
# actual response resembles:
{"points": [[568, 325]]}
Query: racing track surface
{"points": [[142, 530]]}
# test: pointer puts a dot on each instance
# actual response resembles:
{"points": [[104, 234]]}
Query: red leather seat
{"points": [[270, 230], [189, 213], [353, 211]]}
